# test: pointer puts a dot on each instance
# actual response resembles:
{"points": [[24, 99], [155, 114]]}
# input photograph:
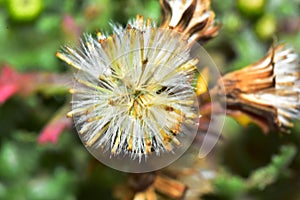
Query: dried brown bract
{"points": [[193, 18]]}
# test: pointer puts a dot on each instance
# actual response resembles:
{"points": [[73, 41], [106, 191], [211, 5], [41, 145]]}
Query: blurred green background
{"points": [[31, 31]]}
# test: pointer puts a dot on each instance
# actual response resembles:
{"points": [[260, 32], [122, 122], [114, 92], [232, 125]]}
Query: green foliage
{"points": [[51, 172], [267, 175], [23, 176], [228, 186]]}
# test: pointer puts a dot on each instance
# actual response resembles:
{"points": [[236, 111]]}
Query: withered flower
{"points": [[267, 91], [192, 18]]}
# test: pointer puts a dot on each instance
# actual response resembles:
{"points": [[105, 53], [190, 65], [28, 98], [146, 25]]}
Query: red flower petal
{"points": [[52, 131], [70, 27], [7, 91], [8, 83]]}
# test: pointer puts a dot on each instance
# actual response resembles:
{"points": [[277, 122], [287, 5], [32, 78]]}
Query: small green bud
{"points": [[24, 10], [265, 27], [232, 22], [251, 7]]}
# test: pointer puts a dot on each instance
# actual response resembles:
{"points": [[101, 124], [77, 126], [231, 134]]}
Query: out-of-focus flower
{"points": [[25, 84], [289, 25], [71, 29], [192, 18], [268, 91], [12, 82], [8, 86], [55, 127], [133, 89]]}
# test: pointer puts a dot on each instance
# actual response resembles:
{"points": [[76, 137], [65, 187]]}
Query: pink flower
{"points": [[71, 29], [12, 82], [25, 84], [8, 83], [53, 129], [7, 91]]}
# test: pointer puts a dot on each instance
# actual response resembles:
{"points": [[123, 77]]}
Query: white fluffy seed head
{"points": [[132, 90]]}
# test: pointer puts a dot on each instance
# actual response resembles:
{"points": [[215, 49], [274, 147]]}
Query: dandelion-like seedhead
{"points": [[133, 93]]}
